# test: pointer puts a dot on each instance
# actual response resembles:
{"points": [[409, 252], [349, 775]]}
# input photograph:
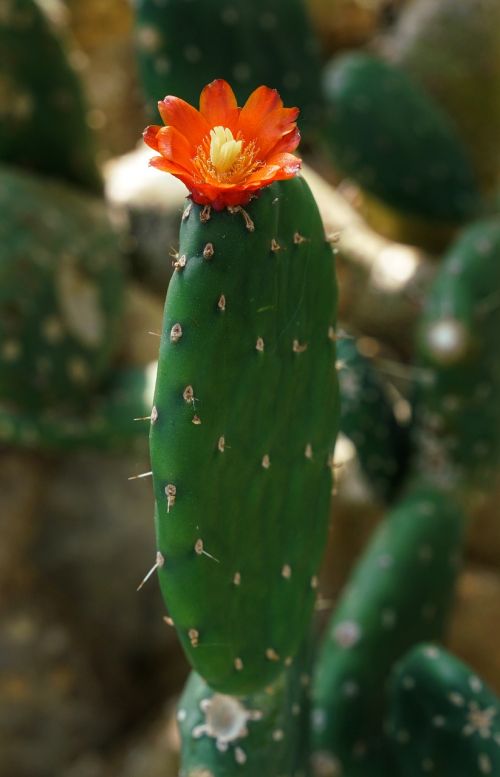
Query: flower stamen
{"points": [[223, 159]]}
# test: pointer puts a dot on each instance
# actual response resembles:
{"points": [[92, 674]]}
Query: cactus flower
{"points": [[222, 153]]}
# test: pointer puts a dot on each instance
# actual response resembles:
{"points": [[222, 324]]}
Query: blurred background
{"points": [[400, 119]]}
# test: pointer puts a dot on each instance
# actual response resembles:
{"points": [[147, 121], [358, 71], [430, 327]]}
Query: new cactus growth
{"points": [[443, 718], [43, 111], [261, 735], [245, 411], [386, 134], [367, 419], [399, 593], [458, 413], [61, 293], [262, 42]]}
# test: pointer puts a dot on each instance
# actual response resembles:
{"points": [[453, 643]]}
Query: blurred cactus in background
{"points": [[325, 355]]}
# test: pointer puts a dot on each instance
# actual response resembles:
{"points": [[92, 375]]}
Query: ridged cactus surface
{"points": [[458, 407], [261, 735], [43, 124], [385, 133], [248, 43], [399, 594], [443, 720], [61, 292], [243, 428]]}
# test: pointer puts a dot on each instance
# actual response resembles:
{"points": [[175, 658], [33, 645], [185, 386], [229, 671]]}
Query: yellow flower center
{"points": [[224, 149]]}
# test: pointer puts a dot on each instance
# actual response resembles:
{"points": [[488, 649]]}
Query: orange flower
{"points": [[222, 153]]}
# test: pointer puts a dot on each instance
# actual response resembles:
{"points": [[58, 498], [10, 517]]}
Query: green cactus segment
{"points": [[261, 735], [458, 403], [367, 419], [386, 134], [108, 420], [183, 46], [243, 428], [451, 48], [61, 290], [443, 719], [399, 594], [43, 114]]}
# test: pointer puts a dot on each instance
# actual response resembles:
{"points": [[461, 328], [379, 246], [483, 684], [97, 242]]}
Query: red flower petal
{"points": [[288, 142], [277, 168], [175, 148], [170, 167], [150, 134], [218, 105], [186, 119], [264, 119]]}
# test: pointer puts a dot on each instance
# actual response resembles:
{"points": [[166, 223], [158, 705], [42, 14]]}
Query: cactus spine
{"points": [[243, 426]]}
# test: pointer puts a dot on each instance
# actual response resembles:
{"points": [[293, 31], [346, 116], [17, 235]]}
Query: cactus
{"points": [[443, 719], [398, 594], [264, 734], [42, 110], [458, 413], [262, 42], [107, 421], [367, 420], [386, 134], [246, 398], [61, 293], [451, 48]]}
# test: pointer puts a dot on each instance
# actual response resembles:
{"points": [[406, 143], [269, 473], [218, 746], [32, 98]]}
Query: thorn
{"points": [[266, 461], [155, 334], [142, 475], [221, 444], [170, 493], [208, 251], [298, 238], [193, 635], [248, 221], [143, 418], [168, 620], [205, 214], [175, 333], [333, 237], [298, 347], [272, 655], [154, 414], [221, 304], [275, 246], [187, 211], [199, 549], [259, 345], [238, 664], [160, 560], [188, 394], [196, 420], [180, 263]]}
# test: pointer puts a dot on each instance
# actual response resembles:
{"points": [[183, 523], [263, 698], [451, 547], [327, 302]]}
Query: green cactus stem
{"points": [[249, 44], [399, 594], [110, 418], [43, 124], [261, 735], [243, 429], [61, 293], [458, 410], [367, 419], [451, 48], [386, 134], [443, 718]]}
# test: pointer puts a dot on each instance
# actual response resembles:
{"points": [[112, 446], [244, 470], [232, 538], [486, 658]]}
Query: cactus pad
{"points": [[443, 719], [43, 114], [61, 290], [262, 42], [399, 594], [386, 134], [243, 427], [458, 407]]}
